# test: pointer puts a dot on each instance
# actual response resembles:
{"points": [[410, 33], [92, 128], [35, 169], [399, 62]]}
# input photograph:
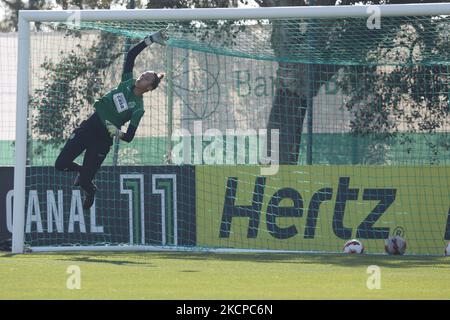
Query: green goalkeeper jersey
{"points": [[121, 105]]}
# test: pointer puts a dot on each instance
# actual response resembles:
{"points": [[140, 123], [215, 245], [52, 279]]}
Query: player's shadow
{"points": [[97, 258], [7, 254], [90, 257]]}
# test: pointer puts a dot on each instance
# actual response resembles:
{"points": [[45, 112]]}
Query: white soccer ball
{"points": [[353, 246], [395, 245], [447, 249]]}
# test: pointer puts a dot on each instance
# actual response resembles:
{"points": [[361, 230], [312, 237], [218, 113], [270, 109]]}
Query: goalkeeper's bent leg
{"points": [[75, 145], [93, 158]]}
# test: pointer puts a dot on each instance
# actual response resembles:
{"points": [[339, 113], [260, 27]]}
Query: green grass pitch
{"points": [[172, 275]]}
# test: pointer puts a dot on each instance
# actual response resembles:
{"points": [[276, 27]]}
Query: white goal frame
{"points": [[28, 16]]}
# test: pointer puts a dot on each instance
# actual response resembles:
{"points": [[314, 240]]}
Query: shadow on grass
{"points": [[5, 254], [132, 258], [318, 258], [98, 259], [88, 257]]}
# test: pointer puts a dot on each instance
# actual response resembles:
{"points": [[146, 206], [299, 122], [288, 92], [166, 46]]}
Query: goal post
{"points": [[21, 136], [243, 81]]}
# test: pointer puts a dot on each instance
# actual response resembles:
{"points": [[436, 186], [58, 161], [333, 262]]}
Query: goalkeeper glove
{"points": [[159, 37], [112, 130]]}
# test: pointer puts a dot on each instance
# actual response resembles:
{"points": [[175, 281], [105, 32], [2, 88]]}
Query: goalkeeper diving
{"points": [[120, 105]]}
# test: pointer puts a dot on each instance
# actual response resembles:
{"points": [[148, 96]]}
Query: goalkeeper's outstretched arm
{"points": [[147, 81], [131, 57], [158, 37]]}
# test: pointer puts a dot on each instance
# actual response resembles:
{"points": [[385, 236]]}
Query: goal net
{"points": [[290, 131]]}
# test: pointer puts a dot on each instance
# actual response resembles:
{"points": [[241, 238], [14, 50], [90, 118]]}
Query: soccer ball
{"points": [[447, 249], [395, 245], [353, 246]]}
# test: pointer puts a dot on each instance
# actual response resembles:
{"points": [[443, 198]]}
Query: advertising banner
{"points": [[318, 208], [148, 205]]}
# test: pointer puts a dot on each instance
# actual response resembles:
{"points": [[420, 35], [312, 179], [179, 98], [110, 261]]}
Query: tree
{"points": [[296, 85], [13, 6], [405, 98]]}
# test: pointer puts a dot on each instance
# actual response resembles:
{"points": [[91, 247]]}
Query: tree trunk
{"points": [[296, 84]]}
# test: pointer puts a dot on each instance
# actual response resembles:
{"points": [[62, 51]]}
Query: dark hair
{"points": [[156, 82]]}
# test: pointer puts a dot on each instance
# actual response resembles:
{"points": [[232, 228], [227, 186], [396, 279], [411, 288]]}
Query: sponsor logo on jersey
{"points": [[120, 102]]}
